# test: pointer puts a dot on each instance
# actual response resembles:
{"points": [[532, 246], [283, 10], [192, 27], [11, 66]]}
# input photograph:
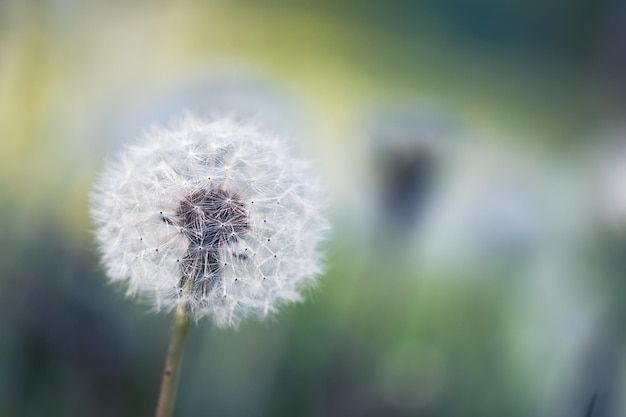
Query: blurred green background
{"points": [[475, 154]]}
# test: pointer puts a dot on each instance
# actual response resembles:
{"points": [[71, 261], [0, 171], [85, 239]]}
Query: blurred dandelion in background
{"points": [[409, 150], [611, 162]]}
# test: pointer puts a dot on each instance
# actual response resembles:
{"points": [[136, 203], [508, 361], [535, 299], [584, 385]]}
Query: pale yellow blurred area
{"points": [[64, 69]]}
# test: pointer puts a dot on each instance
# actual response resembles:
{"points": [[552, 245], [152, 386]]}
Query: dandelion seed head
{"points": [[215, 215]]}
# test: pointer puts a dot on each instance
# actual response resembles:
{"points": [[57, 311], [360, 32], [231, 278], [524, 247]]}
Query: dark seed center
{"points": [[211, 219]]}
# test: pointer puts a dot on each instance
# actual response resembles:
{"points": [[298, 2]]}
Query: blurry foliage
{"points": [[73, 346], [382, 335]]}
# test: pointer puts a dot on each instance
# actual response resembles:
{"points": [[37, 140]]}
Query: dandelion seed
{"points": [[186, 212]]}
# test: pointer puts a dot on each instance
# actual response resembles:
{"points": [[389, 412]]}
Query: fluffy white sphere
{"points": [[213, 215]]}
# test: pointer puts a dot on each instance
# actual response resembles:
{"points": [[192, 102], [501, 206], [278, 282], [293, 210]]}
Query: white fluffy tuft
{"points": [[137, 201]]}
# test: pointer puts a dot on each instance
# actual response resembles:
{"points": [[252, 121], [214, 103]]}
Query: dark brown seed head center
{"points": [[212, 217]]}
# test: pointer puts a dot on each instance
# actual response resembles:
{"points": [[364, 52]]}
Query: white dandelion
{"points": [[215, 216], [209, 218]]}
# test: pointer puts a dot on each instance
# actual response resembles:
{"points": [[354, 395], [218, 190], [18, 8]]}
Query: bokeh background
{"points": [[475, 155]]}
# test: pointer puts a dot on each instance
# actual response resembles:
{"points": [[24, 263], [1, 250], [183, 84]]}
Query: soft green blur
{"points": [[475, 160]]}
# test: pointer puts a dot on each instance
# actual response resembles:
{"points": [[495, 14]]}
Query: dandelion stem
{"points": [[167, 396]]}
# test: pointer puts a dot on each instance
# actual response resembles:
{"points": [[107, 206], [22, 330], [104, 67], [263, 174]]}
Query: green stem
{"points": [[167, 397]]}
